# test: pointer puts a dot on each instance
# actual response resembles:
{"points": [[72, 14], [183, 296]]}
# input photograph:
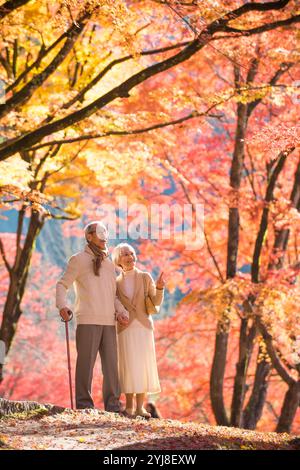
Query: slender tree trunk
{"points": [[247, 341], [253, 411], [17, 283], [243, 114], [246, 344], [217, 378], [221, 342], [233, 240], [282, 237], [239, 382], [289, 408]]}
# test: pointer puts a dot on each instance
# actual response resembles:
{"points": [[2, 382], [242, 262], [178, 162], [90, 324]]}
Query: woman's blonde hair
{"points": [[117, 252]]}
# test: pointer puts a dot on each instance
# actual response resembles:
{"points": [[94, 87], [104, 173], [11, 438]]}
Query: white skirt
{"points": [[137, 360]]}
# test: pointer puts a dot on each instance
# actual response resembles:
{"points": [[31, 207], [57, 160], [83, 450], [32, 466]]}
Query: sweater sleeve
{"points": [[157, 295], [120, 309], [65, 282]]}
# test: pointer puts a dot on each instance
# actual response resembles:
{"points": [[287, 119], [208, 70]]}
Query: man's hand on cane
{"points": [[66, 314]]}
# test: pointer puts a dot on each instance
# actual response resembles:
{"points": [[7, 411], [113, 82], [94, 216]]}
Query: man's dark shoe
{"points": [[114, 410]]}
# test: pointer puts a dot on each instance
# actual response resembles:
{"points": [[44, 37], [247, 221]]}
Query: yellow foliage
{"points": [[15, 171], [113, 168], [72, 209]]}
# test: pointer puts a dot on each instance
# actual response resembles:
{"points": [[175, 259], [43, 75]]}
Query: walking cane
{"points": [[68, 355]]}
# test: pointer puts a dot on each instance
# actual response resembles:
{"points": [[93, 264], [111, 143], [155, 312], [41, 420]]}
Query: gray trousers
{"points": [[91, 339]]}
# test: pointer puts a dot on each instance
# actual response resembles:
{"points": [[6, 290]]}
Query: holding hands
{"points": [[122, 319]]}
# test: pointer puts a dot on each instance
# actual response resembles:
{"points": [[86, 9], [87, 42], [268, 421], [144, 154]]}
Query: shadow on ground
{"points": [[194, 443]]}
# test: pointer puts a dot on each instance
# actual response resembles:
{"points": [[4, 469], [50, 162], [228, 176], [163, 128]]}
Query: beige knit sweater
{"points": [[96, 301], [136, 306]]}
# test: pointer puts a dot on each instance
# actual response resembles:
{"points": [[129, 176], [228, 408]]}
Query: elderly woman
{"points": [[137, 359]]}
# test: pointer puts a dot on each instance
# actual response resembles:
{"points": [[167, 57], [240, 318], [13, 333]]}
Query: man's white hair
{"points": [[91, 227], [117, 252]]}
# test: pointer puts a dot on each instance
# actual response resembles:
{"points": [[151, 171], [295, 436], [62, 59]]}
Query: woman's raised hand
{"points": [[160, 283]]}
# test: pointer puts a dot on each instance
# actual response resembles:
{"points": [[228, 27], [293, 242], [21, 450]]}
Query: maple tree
{"points": [[275, 144]]}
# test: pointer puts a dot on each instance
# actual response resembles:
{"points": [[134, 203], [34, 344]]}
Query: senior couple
{"points": [[112, 319]]}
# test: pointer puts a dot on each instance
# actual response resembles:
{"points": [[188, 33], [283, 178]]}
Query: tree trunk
{"points": [[256, 402], [243, 113], [217, 379], [289, 408], [17, 283], [221, 343], [254, 409], [282, 237], [245, 352], [247, 341]]}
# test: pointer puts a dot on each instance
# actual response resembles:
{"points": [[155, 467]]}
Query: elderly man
{"points": [[96, 310]]}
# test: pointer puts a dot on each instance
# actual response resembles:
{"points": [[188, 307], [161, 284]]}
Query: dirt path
{"points": [[98, 430]]}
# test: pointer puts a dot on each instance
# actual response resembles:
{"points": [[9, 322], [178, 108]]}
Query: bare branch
{"points": [[10, 6], [2, 251], [19, 233], [192, 115], [264, 28], [62, 217], [286, 377]]}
